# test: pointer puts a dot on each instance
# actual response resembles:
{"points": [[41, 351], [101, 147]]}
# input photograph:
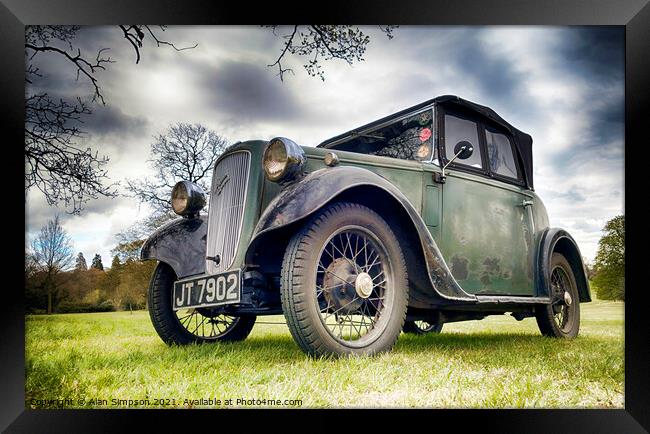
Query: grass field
{"points": [[497, 362]]}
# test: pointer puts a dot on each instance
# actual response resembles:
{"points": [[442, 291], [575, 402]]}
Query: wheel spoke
{"points": [[346, 315], [345, 257], [560, 285], [333, 274], [201, 323]]}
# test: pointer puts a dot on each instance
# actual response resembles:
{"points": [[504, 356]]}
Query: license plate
{"points": [[205, 291]]}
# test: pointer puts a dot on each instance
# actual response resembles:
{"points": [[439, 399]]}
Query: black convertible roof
{"points": [[523, 141]]}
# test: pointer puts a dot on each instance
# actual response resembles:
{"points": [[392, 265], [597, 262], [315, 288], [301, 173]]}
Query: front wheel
{"points": [[186, 326], [561, 318], [344, 286]]}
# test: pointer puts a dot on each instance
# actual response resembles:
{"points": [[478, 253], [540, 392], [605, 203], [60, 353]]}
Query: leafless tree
{"points": [[52, 253], [185, 152], [322, 42], [54, 163], [130, 240]]}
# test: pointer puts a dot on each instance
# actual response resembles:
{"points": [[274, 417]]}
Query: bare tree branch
{"points": [[287, 44], [135, 35], [184, 152], [63, 172], [54, 164], [346, 43]]}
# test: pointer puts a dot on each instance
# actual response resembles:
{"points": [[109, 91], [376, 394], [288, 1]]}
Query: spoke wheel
{"points": [[344, 288], [561, 318], [353, 285], [186, 326], [560, 285], [205, 324]]}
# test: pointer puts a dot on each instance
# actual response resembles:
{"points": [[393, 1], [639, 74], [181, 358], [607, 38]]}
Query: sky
{"points": [[562, 85]]}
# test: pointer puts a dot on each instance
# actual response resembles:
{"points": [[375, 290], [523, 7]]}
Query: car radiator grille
{"points": [[226, 212]]}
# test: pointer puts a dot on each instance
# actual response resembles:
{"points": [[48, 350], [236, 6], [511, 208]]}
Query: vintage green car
{"points": [[420, 218]]}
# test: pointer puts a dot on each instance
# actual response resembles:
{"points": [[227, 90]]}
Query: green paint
{"points": [[483, 232]]}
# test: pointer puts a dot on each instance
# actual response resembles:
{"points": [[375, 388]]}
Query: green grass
{"points": [[497, 362]]}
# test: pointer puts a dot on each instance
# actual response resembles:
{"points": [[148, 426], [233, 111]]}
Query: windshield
{"points": [[410, 138]]}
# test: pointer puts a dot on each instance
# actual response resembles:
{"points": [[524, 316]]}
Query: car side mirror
{"points": [[462, 150]]}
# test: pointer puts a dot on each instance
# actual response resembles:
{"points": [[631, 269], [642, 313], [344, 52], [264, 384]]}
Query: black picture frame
{"points": [[634, 15]]}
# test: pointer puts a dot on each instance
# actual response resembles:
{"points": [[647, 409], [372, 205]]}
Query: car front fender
{"points": [[304, 197], [181, 244]]}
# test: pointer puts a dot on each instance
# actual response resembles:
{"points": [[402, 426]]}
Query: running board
{"points": [[508, 299]]}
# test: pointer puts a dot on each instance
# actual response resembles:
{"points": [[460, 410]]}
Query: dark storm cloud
{"points": [[247, 91], [595, 56], [93, 38], [57, 77], [111, 120], [608, 122], [495, 77], [39, 213], [594, 52]]}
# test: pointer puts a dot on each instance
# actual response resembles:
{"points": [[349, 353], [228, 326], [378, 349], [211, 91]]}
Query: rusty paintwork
{"points": [[181, 244], [485, 224], [303, 198]]}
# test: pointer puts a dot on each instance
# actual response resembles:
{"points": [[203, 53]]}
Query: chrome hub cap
{"points": [[567, 298], [363, 285]]}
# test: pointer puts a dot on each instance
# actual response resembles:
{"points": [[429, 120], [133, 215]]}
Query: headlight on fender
{"points": [[187, 199], [283, 160]]}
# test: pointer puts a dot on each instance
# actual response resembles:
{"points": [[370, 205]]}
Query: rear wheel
{"points": [[186, 326], [421, 327], [344, 287], [561, 318]]}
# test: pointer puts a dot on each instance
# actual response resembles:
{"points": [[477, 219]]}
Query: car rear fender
{"points": [[558, 240]]}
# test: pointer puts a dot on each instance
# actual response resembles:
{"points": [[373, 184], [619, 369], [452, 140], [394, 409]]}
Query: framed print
{"points": [[422, 210]]}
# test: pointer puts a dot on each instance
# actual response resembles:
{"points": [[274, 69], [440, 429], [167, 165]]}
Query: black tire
{"points": [[560, 319], [421, 327], [378, 305], [174, 328]]}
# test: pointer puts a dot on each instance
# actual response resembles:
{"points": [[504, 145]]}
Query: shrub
{"points": [[76, 307]]}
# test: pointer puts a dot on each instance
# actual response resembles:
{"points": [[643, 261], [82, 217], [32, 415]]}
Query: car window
{"points": [[499, 153], [410, 138], [457, 130]]}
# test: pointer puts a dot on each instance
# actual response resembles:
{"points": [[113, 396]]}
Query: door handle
{"points": [[526, 203]]}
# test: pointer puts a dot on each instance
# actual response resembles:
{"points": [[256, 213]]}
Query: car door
{"points": [[485, 226]]}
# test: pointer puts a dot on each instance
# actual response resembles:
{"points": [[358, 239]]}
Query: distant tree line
{"points": [[51, 287]]}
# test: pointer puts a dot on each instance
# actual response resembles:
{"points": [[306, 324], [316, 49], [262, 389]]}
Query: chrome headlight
{"points": [[187, 198], [283, 160]]}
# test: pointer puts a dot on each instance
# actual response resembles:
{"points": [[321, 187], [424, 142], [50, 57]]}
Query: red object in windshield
{"points": [[425, 134]]}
